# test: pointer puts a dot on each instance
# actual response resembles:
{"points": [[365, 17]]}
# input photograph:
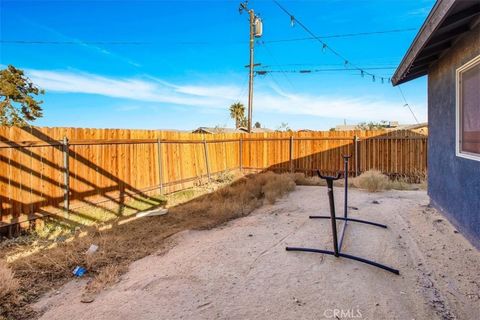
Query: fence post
{"points": [[160, 168], [291, 154], [66, 178], [205, 147], [355, 146], [240, 147]]}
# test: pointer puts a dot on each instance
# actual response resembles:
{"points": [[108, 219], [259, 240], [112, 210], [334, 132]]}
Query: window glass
{"points": [[470, 110]]}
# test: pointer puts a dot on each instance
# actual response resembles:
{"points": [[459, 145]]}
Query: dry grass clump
{"points": [[372, 180], [277, 186], [302, 180], [8, 289], [237, 199], [8, 283], [123, 243], [400, 184], [375, 181], [108, 276], [423, 184]]}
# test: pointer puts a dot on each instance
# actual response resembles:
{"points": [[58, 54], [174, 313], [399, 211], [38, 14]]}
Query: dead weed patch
{"points": [[372, 181], [124, 243]]}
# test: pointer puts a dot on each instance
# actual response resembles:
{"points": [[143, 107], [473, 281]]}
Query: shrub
{"points": [[371, 180]]}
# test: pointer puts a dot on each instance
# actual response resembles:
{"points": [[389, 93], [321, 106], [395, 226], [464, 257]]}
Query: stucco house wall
{"points": [[453, 182]]}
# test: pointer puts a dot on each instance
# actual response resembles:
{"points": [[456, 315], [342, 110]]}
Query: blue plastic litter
{"points": [[79, 271]]}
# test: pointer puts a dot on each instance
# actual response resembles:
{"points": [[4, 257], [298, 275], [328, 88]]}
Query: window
{"points": [[468, 110]]}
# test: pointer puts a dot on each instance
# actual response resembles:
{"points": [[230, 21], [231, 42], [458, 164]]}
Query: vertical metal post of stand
{"points": [[333, 218], [345, 172], [345, 207], [160, 168], [240, 148], [291, 154], [355, 146], [66, 178], [205, 147]]}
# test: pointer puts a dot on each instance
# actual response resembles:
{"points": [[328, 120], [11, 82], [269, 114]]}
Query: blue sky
{"points": [[180, 64]]}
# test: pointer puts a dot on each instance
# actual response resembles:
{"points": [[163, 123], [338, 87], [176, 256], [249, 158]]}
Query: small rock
{"points": [[87, 298], [455, 231], [375, 202], [377, 304], [250, 235]]}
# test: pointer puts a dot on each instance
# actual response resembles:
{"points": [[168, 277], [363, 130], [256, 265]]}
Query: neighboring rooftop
{"points": [[448, 20], [213, 130], [390, 126]]}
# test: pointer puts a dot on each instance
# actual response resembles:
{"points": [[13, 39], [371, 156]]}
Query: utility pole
{"points": [[256, 29], [250, 74]]}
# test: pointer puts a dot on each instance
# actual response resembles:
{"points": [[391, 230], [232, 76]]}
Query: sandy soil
{"points": [[242, 271]]}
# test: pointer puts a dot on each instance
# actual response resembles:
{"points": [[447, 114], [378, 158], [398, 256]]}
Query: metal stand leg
{"points": [[348, 256], [352, 219]]}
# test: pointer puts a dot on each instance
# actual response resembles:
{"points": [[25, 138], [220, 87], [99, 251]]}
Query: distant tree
{"points": [[17, 98], [220, 128], [237, 112], [284, 127], [332, 129], [372, 125], [244, 122], [258, 125]]}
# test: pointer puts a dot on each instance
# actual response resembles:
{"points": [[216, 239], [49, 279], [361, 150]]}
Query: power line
{"points": [[309, 71], [322, 65], [67, 42], [275, 60], [347, 63], [407, 104], [346, 35], [321, 70], [104, 42]]}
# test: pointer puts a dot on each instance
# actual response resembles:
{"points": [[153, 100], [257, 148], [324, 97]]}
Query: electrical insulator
{"points": [[258, 27]]}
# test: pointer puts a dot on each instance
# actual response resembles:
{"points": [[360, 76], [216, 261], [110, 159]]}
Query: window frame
{"points": [[459, 153]]}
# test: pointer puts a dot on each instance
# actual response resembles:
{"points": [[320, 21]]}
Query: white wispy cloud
{"points": [[267, 98], [95, 48], [422, 12]]}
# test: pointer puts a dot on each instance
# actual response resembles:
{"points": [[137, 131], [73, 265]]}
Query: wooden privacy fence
{"points": [[46, 171]]}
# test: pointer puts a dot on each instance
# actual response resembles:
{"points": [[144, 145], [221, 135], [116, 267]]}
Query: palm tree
{"points": [[237, 112]]}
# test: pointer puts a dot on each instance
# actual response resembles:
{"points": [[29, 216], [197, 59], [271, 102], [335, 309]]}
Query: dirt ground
{"points": [[242, 271]]}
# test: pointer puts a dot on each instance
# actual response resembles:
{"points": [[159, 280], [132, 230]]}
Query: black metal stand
{"points": [[337, 246]]}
